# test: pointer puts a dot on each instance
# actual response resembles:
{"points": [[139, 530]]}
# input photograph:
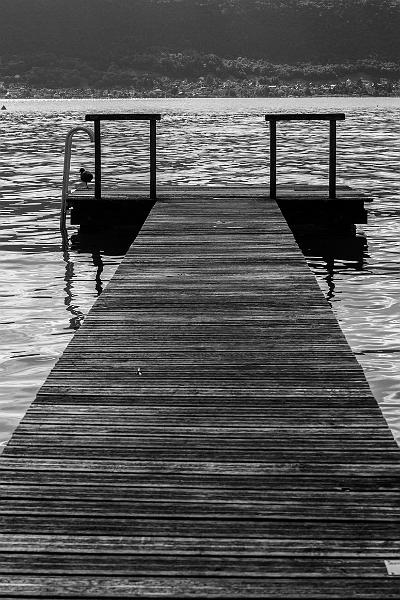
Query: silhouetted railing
{"points": [[331, 117], [97, 118]]}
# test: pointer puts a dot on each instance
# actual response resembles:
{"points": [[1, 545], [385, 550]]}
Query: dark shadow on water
{"points": [[101, 244], [329, 255], [350, 248]]}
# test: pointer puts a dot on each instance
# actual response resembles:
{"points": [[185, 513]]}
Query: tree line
{"points": [[147, 70]]}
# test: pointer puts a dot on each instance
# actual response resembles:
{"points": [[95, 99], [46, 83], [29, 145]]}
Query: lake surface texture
{"points": [[46, 292]]}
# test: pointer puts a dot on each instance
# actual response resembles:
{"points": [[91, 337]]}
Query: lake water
{"points": [[46, 292]]}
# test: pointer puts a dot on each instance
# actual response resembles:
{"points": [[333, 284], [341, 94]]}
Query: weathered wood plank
{"points": [[176, 565], [193, 467], [285, 481], [131, 496], [272, 457], [365, 588], [365, 532], [203, 546], [171, 509]]}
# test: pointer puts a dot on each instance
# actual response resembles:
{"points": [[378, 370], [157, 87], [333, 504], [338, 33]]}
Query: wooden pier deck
{"points": [[300, 204], [207, 433]]}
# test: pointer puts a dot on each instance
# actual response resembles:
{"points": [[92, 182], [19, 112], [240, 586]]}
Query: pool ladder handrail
{"points": [[67, 167]]}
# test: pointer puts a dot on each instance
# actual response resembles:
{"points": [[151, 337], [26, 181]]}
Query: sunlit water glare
{"points": [[45, 292]]}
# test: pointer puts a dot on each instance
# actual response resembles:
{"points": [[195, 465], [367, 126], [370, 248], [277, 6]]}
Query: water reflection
{"points": [[98, 262], [77, 315], [97, 246], [330, 256]]}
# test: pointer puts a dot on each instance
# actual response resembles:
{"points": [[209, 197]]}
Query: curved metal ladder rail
{"points": [[67, 166]]}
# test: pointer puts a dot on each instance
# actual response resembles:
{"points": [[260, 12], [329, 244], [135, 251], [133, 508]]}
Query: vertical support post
{"points": [[97, 160], [272, 159], [332, 158], [153, 156]]}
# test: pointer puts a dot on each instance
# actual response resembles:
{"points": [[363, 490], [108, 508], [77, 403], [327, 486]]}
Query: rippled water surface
{"points": [[45, 292]]}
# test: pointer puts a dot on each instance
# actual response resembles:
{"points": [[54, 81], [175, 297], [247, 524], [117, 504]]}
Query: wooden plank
{"points": [[185, 466], [322, 533], [285, 481], [271, 588], [204, 546], [164, 508], [175, 565], [125, 499], [276, 457]]}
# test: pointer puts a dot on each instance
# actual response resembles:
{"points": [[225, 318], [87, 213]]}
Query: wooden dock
{"points": [[309, 206], [207, 433]]}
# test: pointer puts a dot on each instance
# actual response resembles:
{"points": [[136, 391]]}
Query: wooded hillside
{"points": [[282, 31]]}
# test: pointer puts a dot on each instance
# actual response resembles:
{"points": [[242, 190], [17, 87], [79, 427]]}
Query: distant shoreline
{"points": [[121, 94]]}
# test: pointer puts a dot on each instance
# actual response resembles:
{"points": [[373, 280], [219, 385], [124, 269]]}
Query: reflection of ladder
{"points": [[67, 168], [97, 118], [331, 117]]}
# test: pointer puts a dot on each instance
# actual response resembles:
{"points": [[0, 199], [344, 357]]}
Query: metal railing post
{"points": [[332, 158], [97, 160], [153, 157], [272, 159]]}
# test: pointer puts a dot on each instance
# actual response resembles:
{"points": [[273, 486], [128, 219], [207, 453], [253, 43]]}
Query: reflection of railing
{"points": [[331, 117], [97, 118], [67, 166]]}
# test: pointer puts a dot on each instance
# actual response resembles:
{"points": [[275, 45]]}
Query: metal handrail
{"points": [[97, 118], [331, 117], [67, 166]]}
